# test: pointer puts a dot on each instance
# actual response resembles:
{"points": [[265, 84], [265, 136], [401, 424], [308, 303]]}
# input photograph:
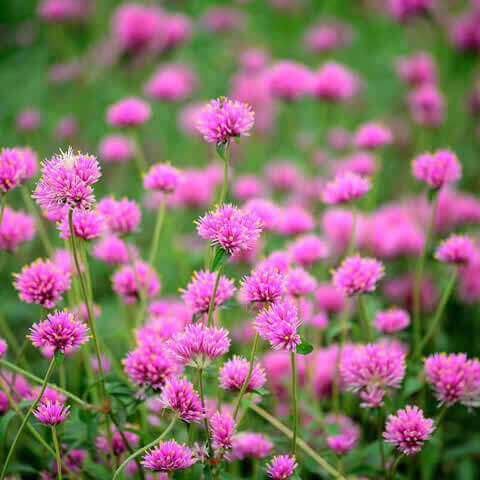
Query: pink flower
{"points": [[179, 396], [299, 282], [391, 321], [454, 378], [124, 282], [12, 168], [113, 250], [372, 136], [41, 282], [294, 220], [178, 30], [199, 291], [333, 82], [105, 363], [171, 83], [330, 298], [456, 249], [348, 436], [324, 37], [3, 347], [361, 163], [247, 187], [222, 19], [417, 69], [283, 175], [16, 228], [51, 413], [403, 10], [87, 224], [61, 331], [437, 169], [67, 127], [254, 59], [59, 11], [230, 228], [337, 224], [264, 284], [168, 456], [116, 149], [223, 119], [345, 188], [408, 430], [282, 467], [162, 177], [50, 395], [357, 275], [28, 120], [121, 216], [265, 210], [308, 250], [427, 105], [118, 444], [194, 189], [30, 162], [234, 372], [250, 444], [222, 429], [289, 80], [129, 112]]}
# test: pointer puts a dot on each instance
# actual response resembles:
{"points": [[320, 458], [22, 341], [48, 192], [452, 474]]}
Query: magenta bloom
{"points": [[247, 187], [178, 30], [3, 347], [28, 120], [105, 363], [30, 162], [283, 175], [334, 83], [348, 436], [50, 395], [113, 250], [67, 179], [179, 395], [234, 373], [122, 216], [118, 444], [278, 324], [427, 105], [372, 135], [456, 249], [124, 282], [454, 378], [223, 119], [87, 224], [265, 210], [168, 456], [264, 284], [282, 467], [370, 369], [129, 112], [222, 19], [198, 293], [361, 163], [324, 37], [307, 250], [295, 220], [408, 430], [345, 188], [230, 228], [437, 169], [116, 149], [62, 331], [222, 429], [12, 168], [330, 298], [289, 80], [250, 444], [16, 228], [392, 320], [197, 345], [51, 413], [41, 282], [299, 282], [171, 83], [162, 177], [417, 69], [358, 275]]}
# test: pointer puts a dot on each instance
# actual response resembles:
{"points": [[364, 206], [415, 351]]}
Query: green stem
{"points": [[139, 157], [57, 452], [3, 203], [211, 305], [393, 470], [364, 318], [381, 447], [205, 419], [438, 314], [417, 328], [351, 243], [294, 403], [143, 449], [226, 160], [27, 416], [343, 339], [249, 376]]}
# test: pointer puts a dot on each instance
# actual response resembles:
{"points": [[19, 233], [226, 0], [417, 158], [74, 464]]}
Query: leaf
{"points": [[220, 259], [5, 421], [220, 147], [412, 385], [304, 348], [59, 358], [97, 471]]}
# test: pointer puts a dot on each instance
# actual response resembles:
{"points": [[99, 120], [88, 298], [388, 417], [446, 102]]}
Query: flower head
{"points": [[127, 280], [3, 347], [299, 282], [234, 372], [41, 282], [61, 331], [392, 320], [113, 250], [437, 169], [87, 224], [348, 436], [282, 467], [168, 456], [289, 80], [427, 105], [162, 177], [372, 136], [345, 188], [358, 275], [30, 162], [129, 112], [223, 119], [330, 298], [28, 120], [456, 249], [408, 429], [121, 216], [250, 444], [16, 228], [172, 83], [264, 284], [116, 149], [51, 413], [307, 250], [12, 168], [334, 83], [118, 443], [222, 426]]}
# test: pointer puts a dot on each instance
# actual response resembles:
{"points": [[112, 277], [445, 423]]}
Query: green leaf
{"points": [[220, 147], [412, 385], [304, 348], [5, 421], [59, 357], [220, 259], [97, 471]]}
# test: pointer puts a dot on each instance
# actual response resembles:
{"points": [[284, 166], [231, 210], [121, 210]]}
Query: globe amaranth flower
{"points": [[16, 228], [264, 284], [456, 249], [87, 224], [330, 298], [417, 69], [408, 429], [223, 119], [234, 372], [278, 323], [61, 331], [173, 82], [307, 250], [198, 345], [179, 396], [162, 177], [51, 413], [282, 467], [105, 363], [67, 179], [358, 275], [113, 250], [168, 456], [118, 444], [454, 378], [392, 320], [30, 162], [299, 282], [12, 168], [250, 444], [294, 220], [28, 120], [372, 135], [370, 369], [437, 169], [41, 282], [129, 112], [333, 82], [49, 395], [289, 80], [127, 280], [3, 347], [199, 291], [347, 437], [345, 188], [230, 228], [265, 210], [222, 429], [121, 216], [427, 105], [116, 149]]}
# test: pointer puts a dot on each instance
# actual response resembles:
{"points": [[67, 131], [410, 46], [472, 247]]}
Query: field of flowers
{"points": [[238, 239]]}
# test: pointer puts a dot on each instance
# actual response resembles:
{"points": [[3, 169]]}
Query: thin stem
{"points": [[351, 243], [249, 376], [202, 398], [438, 314], [226, 160], [57, 452], [211, 305], [381, 447], [417, 329], [3, 203], [364, 318], [143, 449], [343, 339], [393, 470], [139, 157], [294, 403], [301, 443], [27, 416]]}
